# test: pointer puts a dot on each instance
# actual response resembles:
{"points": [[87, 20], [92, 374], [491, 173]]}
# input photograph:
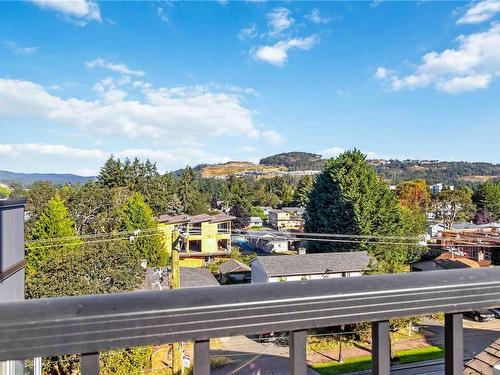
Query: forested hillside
{"points": [[295, 161]]}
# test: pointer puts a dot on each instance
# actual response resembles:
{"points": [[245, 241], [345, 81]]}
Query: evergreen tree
{"points": [[112, 174], [54, 223], [349, 198], [487, 197], [304, 187], [188, 191], [137, 216], [242, 218]]}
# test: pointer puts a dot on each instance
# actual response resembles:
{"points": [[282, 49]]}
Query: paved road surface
{"points": [[254, 358]]}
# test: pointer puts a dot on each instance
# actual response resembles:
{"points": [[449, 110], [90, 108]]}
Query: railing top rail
{"points": [[94, 323]]}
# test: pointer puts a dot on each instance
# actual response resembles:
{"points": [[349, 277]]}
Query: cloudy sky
{"points": [[202, 82]]}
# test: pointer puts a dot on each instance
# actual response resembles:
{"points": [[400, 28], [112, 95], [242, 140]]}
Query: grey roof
{"points": [[233, 265], [483, 363], [190, 278], [309, 264], [197, 277]]}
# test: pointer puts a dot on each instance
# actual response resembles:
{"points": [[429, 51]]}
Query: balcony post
{"points": [[89, 363], [453, 344], [297, 349], [381, 348], [202, 357]]}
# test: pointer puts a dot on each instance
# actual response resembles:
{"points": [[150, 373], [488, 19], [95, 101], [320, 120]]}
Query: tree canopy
{"points": [[349, 198], [137, 217]]}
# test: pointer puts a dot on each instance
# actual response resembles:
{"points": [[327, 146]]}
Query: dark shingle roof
{"points": [[307, 264], [183, 219], [233, 266], [483, 363], [190, 278]]}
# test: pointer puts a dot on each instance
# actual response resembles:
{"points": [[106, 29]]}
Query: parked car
{"points": [[496, 312], [480, 315]]}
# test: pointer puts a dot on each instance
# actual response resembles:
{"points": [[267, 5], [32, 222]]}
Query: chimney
{"points": [[12, 250]]}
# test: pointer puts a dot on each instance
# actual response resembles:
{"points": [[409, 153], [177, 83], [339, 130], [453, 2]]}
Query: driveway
{"points": [[477, 335], [253, 358]]}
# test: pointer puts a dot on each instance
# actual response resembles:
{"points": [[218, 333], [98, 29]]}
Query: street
{"points": [[250, 357]]}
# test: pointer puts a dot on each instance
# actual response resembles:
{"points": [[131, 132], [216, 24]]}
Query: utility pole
{"points": [[175, 283]]}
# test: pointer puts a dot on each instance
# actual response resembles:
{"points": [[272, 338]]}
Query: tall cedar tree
{"points": [[242, 218], [349, 198], [53, 223], [304, 187], [136, 215], [487, 197], [112, 174], [188, 191]]}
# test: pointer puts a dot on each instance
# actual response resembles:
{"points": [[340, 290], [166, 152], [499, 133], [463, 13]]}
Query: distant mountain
{"points": [[295, 161], [56, 178]]}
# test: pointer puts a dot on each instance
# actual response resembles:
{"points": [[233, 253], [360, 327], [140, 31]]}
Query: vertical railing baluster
{"points": [[297, 349], [381, 348], [202, 357], [89, 364], [453, 344]]}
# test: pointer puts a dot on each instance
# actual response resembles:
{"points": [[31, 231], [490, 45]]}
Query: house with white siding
{"points": [[278, 268]]}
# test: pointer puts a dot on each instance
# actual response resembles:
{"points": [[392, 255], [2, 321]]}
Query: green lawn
{"points": [[364, 363]]}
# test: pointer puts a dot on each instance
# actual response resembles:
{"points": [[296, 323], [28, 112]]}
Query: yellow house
{"points": [[199, 237]]}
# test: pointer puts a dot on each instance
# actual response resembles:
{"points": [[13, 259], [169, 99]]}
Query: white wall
{"points": [[275, 279], [258, 274]]}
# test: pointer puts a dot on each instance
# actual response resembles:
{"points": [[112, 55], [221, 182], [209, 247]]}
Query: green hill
{"points": [[295, 161]]}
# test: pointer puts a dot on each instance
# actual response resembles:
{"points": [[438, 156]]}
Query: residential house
{"points": [[158, 278], [283, 220], [234, 272], [471, 240], [256, 222], [294, 211], [269, 243], [309, 267], [448, 260], [199, 237]]}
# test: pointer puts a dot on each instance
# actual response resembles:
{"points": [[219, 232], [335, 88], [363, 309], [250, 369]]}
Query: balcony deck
{"points": [[90, 324]]}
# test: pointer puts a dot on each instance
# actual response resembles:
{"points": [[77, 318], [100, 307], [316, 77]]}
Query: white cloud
{"points": [[162, 15], [331, 152], [79, 11], [272, 137], [279, 20], [315, 17], [117, 68], [467, 83], [248, 32], [167, 160], [380, 73], [186, 112], [249, 148], [277, 54], [472, 65], [480, 12], [14, 47], [24, 149]]}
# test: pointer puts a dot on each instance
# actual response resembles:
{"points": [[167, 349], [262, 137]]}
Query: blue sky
{"points": [[191, 82]]}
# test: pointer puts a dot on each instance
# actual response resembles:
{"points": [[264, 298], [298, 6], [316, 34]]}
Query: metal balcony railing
{"points": [[91, 324]]}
